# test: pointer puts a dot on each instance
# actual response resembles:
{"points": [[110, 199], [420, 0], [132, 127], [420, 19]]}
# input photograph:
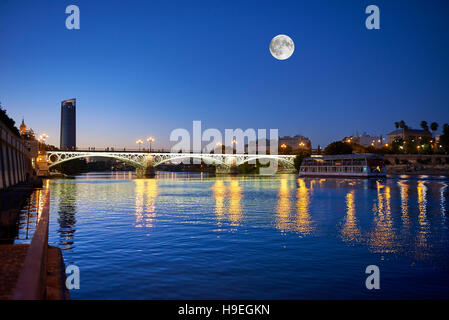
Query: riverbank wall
{"points": [[15, 160], [417, 164], [34, 271]]}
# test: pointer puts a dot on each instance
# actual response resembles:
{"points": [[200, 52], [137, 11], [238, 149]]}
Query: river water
{"points": [[189, 236]]}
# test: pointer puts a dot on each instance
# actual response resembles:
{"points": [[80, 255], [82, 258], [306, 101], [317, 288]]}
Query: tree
{"points": [[444, 138], [396, 125], [284, 149], [338, 147], [424, 125], [8, 122], [434, 126], [300, 155], [402, 125]]}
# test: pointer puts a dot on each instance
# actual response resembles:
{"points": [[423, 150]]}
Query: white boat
{"points": [[345, 165]]}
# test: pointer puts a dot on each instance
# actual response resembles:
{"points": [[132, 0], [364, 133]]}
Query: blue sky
{"points": [[141, 68]]}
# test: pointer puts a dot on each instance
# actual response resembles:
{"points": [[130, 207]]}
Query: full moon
{"points": [[282, 47]]}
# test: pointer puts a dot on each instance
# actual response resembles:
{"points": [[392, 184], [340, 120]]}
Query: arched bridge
{"points": [[147, 161]]}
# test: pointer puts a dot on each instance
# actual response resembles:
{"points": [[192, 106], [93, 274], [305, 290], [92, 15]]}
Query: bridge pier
{"points": [[147, 172], [226, 170]]}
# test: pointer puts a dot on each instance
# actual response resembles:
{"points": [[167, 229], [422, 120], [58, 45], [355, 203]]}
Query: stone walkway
{"points": [[12, 257]]}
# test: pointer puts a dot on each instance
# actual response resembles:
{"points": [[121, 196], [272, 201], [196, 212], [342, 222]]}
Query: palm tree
{"points": [[402, 125], [396, 124], [424, 125], [434, 126]]}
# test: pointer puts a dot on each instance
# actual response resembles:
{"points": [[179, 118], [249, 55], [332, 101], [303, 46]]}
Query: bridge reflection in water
{"points": [[346, 221]]}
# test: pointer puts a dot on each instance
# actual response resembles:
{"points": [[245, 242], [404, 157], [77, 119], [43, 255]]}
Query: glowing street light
{"points": [[150, 140], [43, 137], [139, 142]]}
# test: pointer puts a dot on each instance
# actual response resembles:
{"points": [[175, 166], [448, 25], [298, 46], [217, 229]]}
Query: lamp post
{"points": [[42, 139], [283, 147], [139, 142], [234, 149], [150, 140]]}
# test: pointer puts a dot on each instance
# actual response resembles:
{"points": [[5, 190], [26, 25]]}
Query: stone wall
{"points": [[15, 163]]}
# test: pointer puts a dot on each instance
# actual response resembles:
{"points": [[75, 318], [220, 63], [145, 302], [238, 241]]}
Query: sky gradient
{"points": [[141, 68]]}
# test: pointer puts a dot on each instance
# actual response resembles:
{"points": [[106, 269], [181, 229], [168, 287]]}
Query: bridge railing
{"points": [[160, 151]]}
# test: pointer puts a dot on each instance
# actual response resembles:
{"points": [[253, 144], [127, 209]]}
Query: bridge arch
{"points": [[65, 157], [205, 157], [286, 161]]}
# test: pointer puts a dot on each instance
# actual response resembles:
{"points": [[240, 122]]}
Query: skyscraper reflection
{"points": [[66, 213]]}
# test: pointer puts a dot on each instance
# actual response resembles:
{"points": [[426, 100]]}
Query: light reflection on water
{"points": [[193, 236]]}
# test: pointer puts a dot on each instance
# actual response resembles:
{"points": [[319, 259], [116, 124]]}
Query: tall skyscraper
{"points": [[68, 125]]}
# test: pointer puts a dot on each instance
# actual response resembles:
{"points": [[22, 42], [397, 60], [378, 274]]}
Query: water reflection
{"points": [[146, 193], [228, 201], [283, 206], [235, 206], [340, 223], [382, 238], [422, 216], [443, 200], [404, 190], [303, 219], [350, 230], [219, 192], [66, 213]]}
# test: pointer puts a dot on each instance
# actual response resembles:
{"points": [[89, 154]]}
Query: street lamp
{"points": [[42, 139], [139, 142], [150, 140]]}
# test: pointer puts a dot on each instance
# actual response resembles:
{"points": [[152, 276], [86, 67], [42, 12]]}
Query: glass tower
{"points": [[68, 125]]}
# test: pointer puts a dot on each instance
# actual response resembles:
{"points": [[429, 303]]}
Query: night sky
{"points": [[141, 68]]}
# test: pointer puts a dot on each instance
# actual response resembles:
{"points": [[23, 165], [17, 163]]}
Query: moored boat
{"points": [[345, 165]]}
